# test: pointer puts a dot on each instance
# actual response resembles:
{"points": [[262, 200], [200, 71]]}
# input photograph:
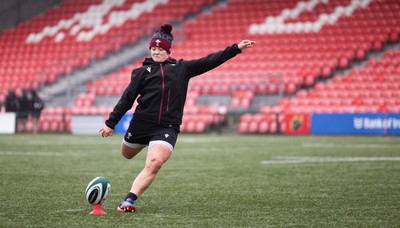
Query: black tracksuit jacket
{"points": [[162, 88]]}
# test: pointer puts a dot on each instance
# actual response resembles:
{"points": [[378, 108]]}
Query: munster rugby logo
{"points": [[296, 122]]}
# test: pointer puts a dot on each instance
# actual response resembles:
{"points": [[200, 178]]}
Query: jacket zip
{"points": [[169, 94], [162, 93]]}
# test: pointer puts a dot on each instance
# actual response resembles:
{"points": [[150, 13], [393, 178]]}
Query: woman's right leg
{"points": [[128, 152]]}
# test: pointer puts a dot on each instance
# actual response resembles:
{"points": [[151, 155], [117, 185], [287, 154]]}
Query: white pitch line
{"points": [[296, 160], [38, 153], [353, 146]]}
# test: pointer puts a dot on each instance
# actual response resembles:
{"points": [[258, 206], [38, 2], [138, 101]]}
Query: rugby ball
{"points": [[97, 190]]}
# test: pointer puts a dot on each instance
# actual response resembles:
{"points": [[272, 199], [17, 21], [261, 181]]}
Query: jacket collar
{"points": [[150, 61]]}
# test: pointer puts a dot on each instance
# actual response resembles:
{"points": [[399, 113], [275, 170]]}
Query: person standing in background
{"points": [[23, 112], [36, 105], [11, 102]]}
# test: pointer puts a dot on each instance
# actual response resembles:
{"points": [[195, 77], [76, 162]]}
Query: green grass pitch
{"points": [[210, 181]]}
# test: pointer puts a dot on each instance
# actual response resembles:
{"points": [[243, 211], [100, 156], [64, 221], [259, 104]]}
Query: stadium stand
{"points": [[70, 35], [372, 89], [67, 37], [301, 44], [375, 88]]}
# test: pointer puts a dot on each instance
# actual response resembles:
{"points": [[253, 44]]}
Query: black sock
{"points": [[131, 196]]}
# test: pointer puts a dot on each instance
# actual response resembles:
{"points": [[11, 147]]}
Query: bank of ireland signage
{"points": [[356, 123]]}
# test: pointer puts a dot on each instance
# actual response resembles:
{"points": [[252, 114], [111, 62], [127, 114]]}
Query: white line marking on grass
{"points": [[353, 146], [198, 140], [298, 159], [38, 153], [86, 142]]}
